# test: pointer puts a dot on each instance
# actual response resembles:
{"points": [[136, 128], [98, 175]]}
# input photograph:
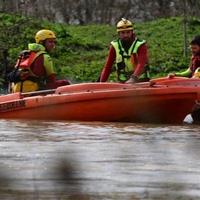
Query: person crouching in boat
{"points": [[193, 71], [129, 54], [34, 69]]}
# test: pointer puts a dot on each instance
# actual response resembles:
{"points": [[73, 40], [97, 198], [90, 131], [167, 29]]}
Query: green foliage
{"points": [[165, 41], [81, 50]]}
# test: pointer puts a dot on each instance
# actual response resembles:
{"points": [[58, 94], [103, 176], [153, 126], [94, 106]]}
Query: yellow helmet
{"points": [[124, 25], [43, 35]]}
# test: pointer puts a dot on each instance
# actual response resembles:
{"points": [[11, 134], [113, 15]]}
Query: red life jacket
{"points": [[26, 59]]}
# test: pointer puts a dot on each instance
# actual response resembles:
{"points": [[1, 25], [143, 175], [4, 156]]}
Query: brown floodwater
{"points": [[94, 160]]}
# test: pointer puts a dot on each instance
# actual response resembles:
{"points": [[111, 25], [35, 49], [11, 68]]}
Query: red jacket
{"points": [[140, 59], [195, 63]]}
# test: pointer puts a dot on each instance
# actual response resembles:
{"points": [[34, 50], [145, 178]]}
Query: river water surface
{"points": [[77, 160]]}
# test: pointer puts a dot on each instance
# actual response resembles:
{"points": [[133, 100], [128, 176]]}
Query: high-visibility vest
{"points": [[123, 64]]}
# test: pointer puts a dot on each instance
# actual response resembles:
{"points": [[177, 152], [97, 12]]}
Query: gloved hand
{"points": [[63, 82], [132, 79], [171, 75], [57, 83]]}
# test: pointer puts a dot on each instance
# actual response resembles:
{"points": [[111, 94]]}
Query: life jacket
{"points": [[123, 64], [26, 80]]}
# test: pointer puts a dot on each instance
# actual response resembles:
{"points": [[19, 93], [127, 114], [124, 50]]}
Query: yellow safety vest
{"points": [[123, 64]]}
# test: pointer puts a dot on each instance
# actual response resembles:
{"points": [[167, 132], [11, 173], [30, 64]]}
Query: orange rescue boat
{"points": [[108, 102]]}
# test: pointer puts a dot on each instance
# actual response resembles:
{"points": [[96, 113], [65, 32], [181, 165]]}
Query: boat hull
{"points": [[105, 102]]}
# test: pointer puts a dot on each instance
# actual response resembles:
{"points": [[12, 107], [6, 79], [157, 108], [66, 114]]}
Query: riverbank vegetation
{"points": [[81, 50]]}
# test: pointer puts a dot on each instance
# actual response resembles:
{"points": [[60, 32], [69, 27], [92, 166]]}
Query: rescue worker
{"points": [[193, 70], [34, 69], [128, 54]]}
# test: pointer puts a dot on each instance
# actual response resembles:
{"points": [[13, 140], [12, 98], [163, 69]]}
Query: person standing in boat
{"points": [[128, 54], [193, 71], [34, 68]]}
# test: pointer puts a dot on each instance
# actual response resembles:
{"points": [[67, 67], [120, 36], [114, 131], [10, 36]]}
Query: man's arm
{"points": [[108, 66], [185, 73], [52, 83], [48, 65], [142, 60]]}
